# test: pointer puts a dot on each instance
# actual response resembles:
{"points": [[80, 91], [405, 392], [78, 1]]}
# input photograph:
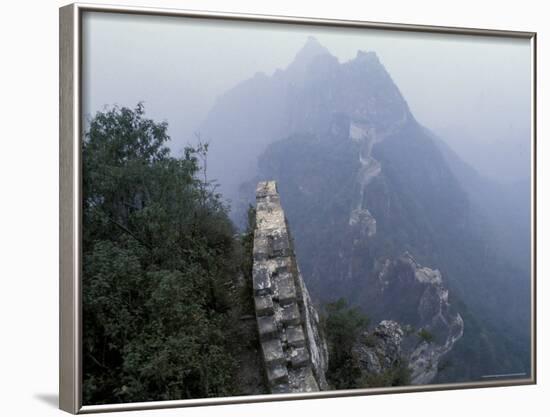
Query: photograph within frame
{"points": [[306, 235]]}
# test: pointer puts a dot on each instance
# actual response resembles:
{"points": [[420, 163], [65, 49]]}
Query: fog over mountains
{"points": [[422, 227], [510, 159], [367, 189], [474, 92]]}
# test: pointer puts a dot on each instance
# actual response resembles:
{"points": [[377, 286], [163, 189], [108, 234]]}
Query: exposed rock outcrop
{"points": [[366, 137], [380, 350], [424, 326], [363, 183], [437, 319], [418, 328], [294, 352], [303, 97]]}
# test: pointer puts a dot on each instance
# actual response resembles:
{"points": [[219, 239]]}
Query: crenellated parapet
{"points": [[293, 350]]}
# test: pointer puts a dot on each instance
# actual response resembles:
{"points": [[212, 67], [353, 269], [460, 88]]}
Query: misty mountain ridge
{"points": [[500, 203], [265, 108], [364, 185], [297, 69], [510, 158]]}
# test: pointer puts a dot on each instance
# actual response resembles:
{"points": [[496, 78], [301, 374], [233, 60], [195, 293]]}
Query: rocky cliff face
{"points": [[294, 352], [371, 198], [348, 112], [428, 325], [421, 327], [440, 325], [309, 95], [380, 350]]}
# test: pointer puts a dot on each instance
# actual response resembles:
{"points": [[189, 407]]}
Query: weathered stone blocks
{"points": [[283, 264], [265, 189], [263, 305], [299, 357], [277, 374], [280, 300], [261, 247], [273, 352], [261, 280], [279, 244], [286, 288], [281, 388], [295, 336], [291, 314], [267, 327]]}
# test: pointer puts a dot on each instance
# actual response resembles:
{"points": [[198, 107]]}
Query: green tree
{"points": [[398, 374], [158, 266], [342, 326], [425, 336]]}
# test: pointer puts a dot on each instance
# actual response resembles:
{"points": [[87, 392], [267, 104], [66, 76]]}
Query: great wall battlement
{"points": [[293, 350]]}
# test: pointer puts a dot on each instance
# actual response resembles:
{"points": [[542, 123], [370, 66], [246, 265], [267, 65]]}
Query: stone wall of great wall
{"points": [[293, 350]]}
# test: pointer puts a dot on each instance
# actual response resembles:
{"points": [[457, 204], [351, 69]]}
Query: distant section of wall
{"points": [[294, 353]]}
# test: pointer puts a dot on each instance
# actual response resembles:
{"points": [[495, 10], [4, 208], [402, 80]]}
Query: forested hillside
{"points": [[161, 268]]}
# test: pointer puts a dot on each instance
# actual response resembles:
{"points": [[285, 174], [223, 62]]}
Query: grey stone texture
{"points": [[263, 305], [286, 289], [294, 353], [267, 327], [379, 350], [273, 351], [295, 336]]}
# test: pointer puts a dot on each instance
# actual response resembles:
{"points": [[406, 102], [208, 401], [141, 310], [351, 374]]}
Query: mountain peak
{"points": [[369, 57], [312, 45], [311, 49]]}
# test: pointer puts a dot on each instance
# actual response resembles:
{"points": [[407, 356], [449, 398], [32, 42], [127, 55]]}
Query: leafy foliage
{"points": [[159, 265], [397, 375], [247, 246], [342, 326], [426, 336]]}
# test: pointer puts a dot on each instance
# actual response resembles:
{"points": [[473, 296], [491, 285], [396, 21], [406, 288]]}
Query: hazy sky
{"points": [[471, 90]]}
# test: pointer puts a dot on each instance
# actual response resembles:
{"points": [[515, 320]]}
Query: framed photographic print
{"points": [[258, 208]]}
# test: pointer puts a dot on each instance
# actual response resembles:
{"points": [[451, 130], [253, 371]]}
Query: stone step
{"points": [[280, 389], [267, 327], [299, 357], [291, 315], [263, 305], [272, 351], [295, 336], [286, 288], [277, 374], [261, 280]]}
